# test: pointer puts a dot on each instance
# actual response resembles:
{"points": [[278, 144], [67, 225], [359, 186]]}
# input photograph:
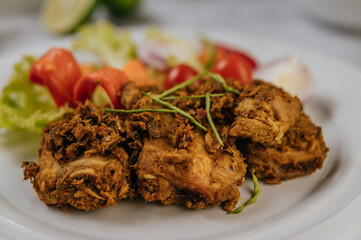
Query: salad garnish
{"points": [[162, 51], [58, 71], [114, 48], [26, 106], [208, 56], [110, 79]]}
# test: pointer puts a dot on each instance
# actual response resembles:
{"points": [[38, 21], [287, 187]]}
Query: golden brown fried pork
{"points": [[82, 162], [178, 162], [301, 151], [84, 158], [264, 113], [182, 168]]}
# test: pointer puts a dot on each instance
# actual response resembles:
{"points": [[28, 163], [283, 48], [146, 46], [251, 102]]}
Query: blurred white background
{"points": [[320, 25]]}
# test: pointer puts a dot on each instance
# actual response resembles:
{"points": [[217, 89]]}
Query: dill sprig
{"points": [[209, 118], [139, 110], [181, 86], [192, 97], [178, 110], [253, 199]]}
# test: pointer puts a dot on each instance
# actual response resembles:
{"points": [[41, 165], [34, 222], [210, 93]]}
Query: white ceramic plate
{"points": [[282, 211]]}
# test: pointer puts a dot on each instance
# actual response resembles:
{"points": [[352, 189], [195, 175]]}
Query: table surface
{"points": [[277, 19]]}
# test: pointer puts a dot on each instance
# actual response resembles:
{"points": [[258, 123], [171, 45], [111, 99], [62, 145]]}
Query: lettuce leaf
{"points": [[114, 48], [100, 97], [24, 105]]}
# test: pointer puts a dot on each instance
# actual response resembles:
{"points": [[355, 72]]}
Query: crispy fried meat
{"points": [[264, 113], [93, 159], [301, 151], [181, 170], [82, 162]]}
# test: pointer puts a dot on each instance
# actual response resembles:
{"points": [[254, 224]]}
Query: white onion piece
{"points": [[290, 74], [153, 53], [156, 53]]}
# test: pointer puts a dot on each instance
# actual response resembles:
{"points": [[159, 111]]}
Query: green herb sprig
{"points": [[139, 110], [253, 199], [174, 109], [219, 78], [209, 118], [216, 77], [178, 110], [181, 86], [192, 97]]}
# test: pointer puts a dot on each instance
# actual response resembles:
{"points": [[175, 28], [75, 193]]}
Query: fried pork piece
{"points": [[301, 152], [181, 168], [82, 162], [264, 113]]}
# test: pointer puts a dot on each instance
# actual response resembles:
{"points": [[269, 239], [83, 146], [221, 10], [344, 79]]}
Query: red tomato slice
{"points": [[58, 71], [230, 51], [235, 67], [177, 75], [221, 51], [111, 79]]}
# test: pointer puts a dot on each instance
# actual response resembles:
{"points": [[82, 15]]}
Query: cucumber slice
{"points": [[64, 16]]}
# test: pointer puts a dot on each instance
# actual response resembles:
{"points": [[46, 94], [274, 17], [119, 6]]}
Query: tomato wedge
{"points": [[177, 75], [58, 71], [225, 50], [213, 52], [111, 79], [235, 67]]}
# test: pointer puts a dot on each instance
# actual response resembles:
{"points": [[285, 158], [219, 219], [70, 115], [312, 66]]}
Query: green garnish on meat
{"points": [[253, 199]]}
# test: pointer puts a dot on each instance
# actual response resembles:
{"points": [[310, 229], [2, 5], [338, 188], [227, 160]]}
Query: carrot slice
{"points": [[137, 72], [87, 68]]}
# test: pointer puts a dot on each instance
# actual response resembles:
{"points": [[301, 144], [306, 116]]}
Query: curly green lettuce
{"points": [[114, 48], [24, 105]]}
